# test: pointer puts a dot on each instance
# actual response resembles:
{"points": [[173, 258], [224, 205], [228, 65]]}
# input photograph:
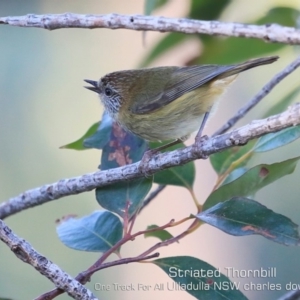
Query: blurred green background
{"points": [[43, 106]]}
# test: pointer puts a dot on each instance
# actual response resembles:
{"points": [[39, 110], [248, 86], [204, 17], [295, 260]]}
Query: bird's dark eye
{"points": [[108, 92]]}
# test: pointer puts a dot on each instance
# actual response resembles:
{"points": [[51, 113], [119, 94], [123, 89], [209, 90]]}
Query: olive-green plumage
{"points": [[167, 103]]}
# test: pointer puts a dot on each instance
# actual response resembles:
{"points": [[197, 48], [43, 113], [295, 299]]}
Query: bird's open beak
{"points": [[94, 86]]}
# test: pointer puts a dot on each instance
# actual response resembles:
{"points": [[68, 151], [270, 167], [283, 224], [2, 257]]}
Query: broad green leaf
{"points": [[251, 181], [277, 139], [207, 10], [234, 175], [78, 145], [198, 278], [283, 103], [285, 16], [181, 176], [151, 5], [221, 161], [162, 234], [123, 148], [124, 197], [102, 136], [97, 232], [242, 216]]}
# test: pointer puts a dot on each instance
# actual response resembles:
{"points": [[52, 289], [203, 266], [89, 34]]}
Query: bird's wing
{"points": [[182, 80]]}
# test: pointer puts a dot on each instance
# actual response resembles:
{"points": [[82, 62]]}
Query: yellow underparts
{"points": [[179, 118]]}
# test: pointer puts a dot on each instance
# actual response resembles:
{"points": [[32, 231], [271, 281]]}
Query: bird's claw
{"points": [[144, 163], [198, 145]]}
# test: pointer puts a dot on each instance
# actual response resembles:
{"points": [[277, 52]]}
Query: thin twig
{"points": [[124, 240], [260, 95], [161, 161], [268, 32], [121, 262], [24, 251], [172, 240], [98, 265], [152, 195]]}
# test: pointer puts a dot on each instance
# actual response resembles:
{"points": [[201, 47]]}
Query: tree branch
{"points": [[270, 32], [152, 195], [82, 277], [27, 254], [160, 161]]}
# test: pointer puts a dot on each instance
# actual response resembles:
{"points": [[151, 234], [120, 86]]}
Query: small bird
{"points": [[167, 103]]}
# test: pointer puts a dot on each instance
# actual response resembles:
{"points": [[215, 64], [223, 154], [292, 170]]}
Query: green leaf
{"points": [[252, 181], [124, 148], [277, 139], [283, 103], [180, 176], [221, 161], [162, 234], [151, 5], [285, 16], [78, 145], [97, 136], [97, 232], [207, 10], [242, 216], [102, 136], [235, 174], [124, 197], [199, 278]]}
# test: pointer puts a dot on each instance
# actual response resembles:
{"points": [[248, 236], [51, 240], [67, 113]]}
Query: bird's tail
{"points": [[238, 68]]}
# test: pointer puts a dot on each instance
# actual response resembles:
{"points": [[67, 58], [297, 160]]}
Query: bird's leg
{"points": [[199, 139], [144, 164]]}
